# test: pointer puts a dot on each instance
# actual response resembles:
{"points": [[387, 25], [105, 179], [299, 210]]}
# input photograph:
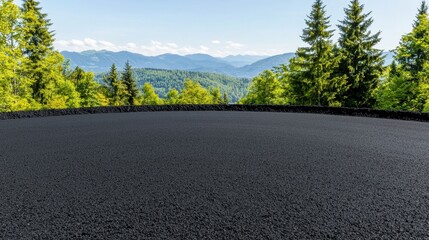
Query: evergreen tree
{"points": [[38, 46], [413, 58], [413, 50], [115, 88], [225, 98], [130, 83], [217, 95], [265, 89], [360, 62], [150, 97], [312, 79]]}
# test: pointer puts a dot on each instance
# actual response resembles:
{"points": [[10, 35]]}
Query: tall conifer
{"points": [[132, 92], [361, 62], [312, 80], [38, 45]]}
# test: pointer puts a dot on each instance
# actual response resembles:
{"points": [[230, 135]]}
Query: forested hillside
{"points": [[165, 80]]}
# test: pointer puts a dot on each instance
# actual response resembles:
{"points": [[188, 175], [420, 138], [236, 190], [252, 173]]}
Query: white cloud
{"points": [[234, 45], [204, 49], [154, 48]]}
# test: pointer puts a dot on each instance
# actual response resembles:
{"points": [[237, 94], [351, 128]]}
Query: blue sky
{"points": [[216, 27]]}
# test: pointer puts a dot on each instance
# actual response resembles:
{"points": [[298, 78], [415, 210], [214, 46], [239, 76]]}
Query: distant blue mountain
{"points": [[242, 66], [242, 60], [239, 66]]}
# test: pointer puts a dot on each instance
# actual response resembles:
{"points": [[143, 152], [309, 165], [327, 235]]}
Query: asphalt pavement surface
{"points": [[213, 175]]}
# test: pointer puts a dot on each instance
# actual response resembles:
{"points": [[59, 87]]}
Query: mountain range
{"points": [[243, 66]]}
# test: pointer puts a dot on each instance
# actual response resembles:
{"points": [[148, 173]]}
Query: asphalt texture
{"points": [[213, 175]]}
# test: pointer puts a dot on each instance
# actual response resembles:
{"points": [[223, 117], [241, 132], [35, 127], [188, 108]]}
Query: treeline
{"points": [[33, 75], [165, 80], [122, 89], [350, 73]]}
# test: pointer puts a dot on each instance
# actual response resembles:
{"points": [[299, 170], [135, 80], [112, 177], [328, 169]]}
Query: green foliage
{"points": [[398, 92], [150, 97], [87, 87], [37, 44], [15, 91], [172, 97], [115, 89], [216, 95], [360, 62], [132, 92], [194, 93], [265, 89], [406, 86], [225, 98], [34, 76], [165, 80], [312, 78], [413, 50]]}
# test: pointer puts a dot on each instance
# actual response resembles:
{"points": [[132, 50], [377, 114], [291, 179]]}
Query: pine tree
{"points": [[361, 62], [413, 50], [312, 80], [130, 83], [115, 88], [413, 58], [38, 45], [225, 98]]}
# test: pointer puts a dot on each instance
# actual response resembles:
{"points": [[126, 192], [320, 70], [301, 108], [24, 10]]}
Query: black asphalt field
{"points": [[213, 175]]}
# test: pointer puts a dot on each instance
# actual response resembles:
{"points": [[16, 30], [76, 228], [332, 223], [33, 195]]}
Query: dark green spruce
{"points": [[38, 44], [312, 79], [361, 63], [132, 92]]}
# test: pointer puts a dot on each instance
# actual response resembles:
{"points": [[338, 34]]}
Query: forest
{"points": [[165, 80], [348, 73]]}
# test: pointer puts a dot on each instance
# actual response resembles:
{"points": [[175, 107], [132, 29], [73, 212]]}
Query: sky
{"points": [[215, 27]]}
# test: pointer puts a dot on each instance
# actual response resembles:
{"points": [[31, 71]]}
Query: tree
{"points": [[150, 97], [132, 92], [312, 79], [194, 93], [413, 50], [41, 64], [360, 62], [225, 98], [173, 97], [15, 92], [216, 95], [265, 89], [394, 93], [87, 87], [115, 89], [413, 58], [38, 46]]}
